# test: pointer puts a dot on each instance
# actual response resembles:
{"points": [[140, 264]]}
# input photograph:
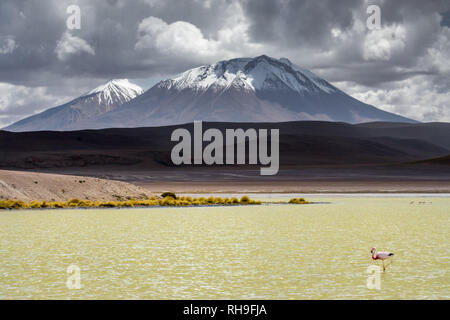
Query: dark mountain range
{"points": [[308, 143]]}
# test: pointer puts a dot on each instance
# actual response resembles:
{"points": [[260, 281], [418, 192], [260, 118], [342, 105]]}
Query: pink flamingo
{"points": [[380, 256]]}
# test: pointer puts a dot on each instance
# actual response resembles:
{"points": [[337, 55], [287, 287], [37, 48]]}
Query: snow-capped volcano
{"points": [[260, 89], [74, 114]]}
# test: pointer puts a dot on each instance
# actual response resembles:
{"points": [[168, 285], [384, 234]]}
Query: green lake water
{"points": [[316, 251]]}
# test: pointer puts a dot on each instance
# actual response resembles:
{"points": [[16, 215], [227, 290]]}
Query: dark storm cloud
{"points": [[308, 24], [303, 22], [110, 29], [446, 19], [34, 29], [298, 23]]}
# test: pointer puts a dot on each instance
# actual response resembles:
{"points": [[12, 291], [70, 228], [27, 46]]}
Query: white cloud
{"points": [[423, 96], [185, 40], [440, 52], [380, 45], [176, 39], [70, 45], [416, 98], [336, 32], [17, 102], [7, 45], [234, 37]]}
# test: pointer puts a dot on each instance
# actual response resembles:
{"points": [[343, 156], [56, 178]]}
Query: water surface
{"points": [[318, 251]]}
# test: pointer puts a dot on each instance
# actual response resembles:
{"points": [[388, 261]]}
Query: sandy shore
{"points": [[112, 185], [28, 186]]}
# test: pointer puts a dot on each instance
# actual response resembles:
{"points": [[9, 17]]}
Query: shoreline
{"points": [[52, 187], [164, 207], [328, 186], [324, 193]]}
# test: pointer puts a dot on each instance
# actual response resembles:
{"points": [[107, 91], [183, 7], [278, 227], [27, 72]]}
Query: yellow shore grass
{"points": [[151, 202], [298, 201]]}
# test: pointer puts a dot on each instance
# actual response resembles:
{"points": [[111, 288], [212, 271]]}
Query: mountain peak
{"points": [[250, 74], [75, 113], [115, 92], [117, 84]]}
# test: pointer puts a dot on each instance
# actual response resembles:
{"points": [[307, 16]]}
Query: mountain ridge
{"points": [[260, 89], [302, 144]]}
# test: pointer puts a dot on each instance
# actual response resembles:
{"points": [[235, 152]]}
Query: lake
{"points": [[314, 251]]}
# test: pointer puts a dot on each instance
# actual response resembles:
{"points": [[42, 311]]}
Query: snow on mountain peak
{"points": [[116, 90], [250, 74], [121, 84]]}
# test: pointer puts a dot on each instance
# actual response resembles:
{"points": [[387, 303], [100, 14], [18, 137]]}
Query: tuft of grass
{"points": [[169, 194], [298, 201]]}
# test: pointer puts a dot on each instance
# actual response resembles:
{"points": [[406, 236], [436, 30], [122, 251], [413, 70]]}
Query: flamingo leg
{"points": [[389, 263], [384, 268]]}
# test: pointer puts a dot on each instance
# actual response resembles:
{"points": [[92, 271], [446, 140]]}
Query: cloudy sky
{"points": [[403, 67]]}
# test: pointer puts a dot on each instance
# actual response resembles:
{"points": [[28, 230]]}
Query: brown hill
{"points": [[29, 186]]}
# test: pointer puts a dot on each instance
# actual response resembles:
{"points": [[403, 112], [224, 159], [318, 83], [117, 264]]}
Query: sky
{"points": [[403, 66]]}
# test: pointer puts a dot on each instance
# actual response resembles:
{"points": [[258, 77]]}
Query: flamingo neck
{"points": [[374, 255]]}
